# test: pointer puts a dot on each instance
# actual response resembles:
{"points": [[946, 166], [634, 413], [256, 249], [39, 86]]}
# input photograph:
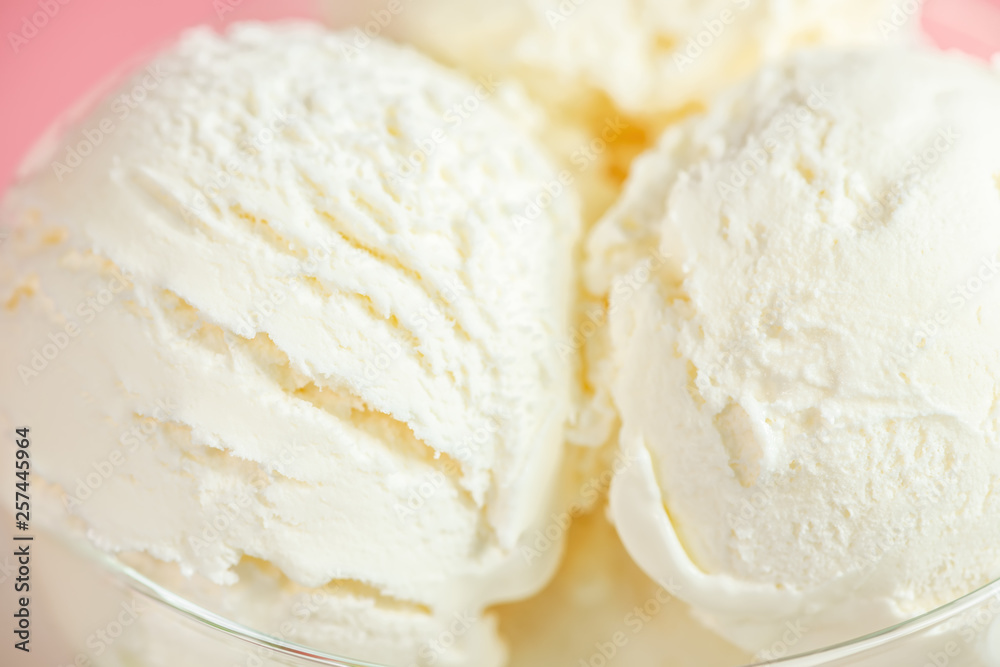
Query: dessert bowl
{"points": [[147, 614], [150, 625]]}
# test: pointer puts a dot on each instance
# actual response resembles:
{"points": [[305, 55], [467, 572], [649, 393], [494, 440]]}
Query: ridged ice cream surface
{"points": [[611, 75], [310, 316], [805, 345]]}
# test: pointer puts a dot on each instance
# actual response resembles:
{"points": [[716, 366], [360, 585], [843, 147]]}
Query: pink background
{"points": [[87, 39]]}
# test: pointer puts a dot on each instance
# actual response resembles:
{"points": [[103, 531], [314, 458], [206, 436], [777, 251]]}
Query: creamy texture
{"points": [[304, 320], [611, 75], [806, 346], [510, 42], [340, 618], [598, 600], [646, 57], [600, 604]]}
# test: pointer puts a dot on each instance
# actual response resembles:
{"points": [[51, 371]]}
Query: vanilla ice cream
{"points": [[611, 76], [602, 610], [646, 57], [595, 64], [806, 346], [271, 302]]}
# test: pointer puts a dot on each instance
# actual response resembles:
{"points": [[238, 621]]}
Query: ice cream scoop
{"points": [[610, 76], [599, 64], [276, 303], [803, 287], [645, 57]]}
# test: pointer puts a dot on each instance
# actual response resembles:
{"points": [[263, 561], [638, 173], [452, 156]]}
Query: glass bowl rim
{"points": [[892, 633], [139, 583], [158, 593]]}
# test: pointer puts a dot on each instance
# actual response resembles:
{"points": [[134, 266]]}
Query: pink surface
{"points": [[85, 40]]}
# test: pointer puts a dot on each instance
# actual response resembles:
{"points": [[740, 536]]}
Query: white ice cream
{"points": [[611, 75], [803, 289], [290, 308], [646, 57], [598, 65]]}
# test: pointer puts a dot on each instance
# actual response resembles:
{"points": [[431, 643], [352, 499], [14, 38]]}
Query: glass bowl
{"points": [[116, 615], [140, 622]]}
